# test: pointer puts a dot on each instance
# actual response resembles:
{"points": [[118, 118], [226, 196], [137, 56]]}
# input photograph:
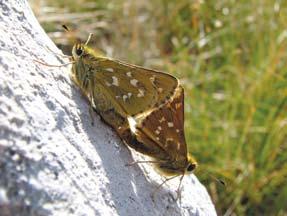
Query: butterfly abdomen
{"points": [[132, 141]]}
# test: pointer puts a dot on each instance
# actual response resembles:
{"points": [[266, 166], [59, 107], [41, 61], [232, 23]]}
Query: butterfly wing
{"points": [[165, 126], [131, 88], [118, 90]]}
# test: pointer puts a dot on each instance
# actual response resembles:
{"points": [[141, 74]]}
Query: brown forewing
{"points": [[165, 127]]}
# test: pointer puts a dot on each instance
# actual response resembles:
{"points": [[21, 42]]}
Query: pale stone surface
{"points": [[52, 161]]}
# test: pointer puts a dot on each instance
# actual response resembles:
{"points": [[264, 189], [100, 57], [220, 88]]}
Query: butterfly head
{"points": [[81, 49], [191, 164], [78, 51], [80, 70]]}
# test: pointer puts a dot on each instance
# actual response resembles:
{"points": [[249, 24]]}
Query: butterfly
{"points": [[153, 101], [159, 133], [144, 106], [117, 90]]}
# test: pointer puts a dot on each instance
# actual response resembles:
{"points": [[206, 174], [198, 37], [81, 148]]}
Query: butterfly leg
{"points": [[138, 162], [158, 187], [178, 192], [57, 54], [91, 112], [49, 65]]}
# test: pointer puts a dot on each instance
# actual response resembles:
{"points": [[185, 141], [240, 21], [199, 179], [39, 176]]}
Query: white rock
{"points": [[52, 161]]}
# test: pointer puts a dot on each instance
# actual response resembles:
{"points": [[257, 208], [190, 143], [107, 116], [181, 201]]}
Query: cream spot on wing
{"points": [[159, 128], [132, 124], [108, 84], [157, 132], [125, 98], [162, 120], [157, 138], [141, 93], [177, 105], [117, 96], [152, 79], [129, 74], [170, 124], [115, 81], [134, 82], [159, 90], [110, 69], [129, 94], [178, 146], [177, 131], [169, 139]]}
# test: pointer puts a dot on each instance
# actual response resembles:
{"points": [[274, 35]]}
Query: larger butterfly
{"points": [[117, 90], [144, 106]]}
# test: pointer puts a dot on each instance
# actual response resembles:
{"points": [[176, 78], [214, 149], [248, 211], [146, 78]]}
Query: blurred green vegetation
{"points": [[231, 58]]}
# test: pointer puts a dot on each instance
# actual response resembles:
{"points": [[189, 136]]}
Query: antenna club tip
{"points": [[66, 27], [222, 182]]}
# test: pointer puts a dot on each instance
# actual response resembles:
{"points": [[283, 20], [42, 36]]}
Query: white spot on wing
{"points": [[162, 120], [177, 105], [152, 79], [129, 74], [177, 131], [129, 94], [170, 124], [110, 69], [125, 98], [169, 139], [132, 124], [134, 82], [108, 84], [159, 127], [160, 90], [115, 81], [157, 131], [141, 93]]}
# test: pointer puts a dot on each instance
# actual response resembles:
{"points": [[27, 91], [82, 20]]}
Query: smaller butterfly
{"points": [[160, 135]]}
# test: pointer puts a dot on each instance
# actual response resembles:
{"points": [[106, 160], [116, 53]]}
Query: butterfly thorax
{"points": [[83, 68], [177, 167]]}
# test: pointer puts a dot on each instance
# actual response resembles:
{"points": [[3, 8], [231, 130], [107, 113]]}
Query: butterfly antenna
{"points": [[66, 28], [89, 38], [218, 180], [49, 65], [222, 182]]}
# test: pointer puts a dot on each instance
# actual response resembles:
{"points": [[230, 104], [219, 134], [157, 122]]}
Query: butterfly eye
{"points": [[79, 51], [191, 167]]}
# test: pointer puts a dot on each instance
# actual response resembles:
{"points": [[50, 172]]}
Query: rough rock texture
{"points": [[52, 161]]}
